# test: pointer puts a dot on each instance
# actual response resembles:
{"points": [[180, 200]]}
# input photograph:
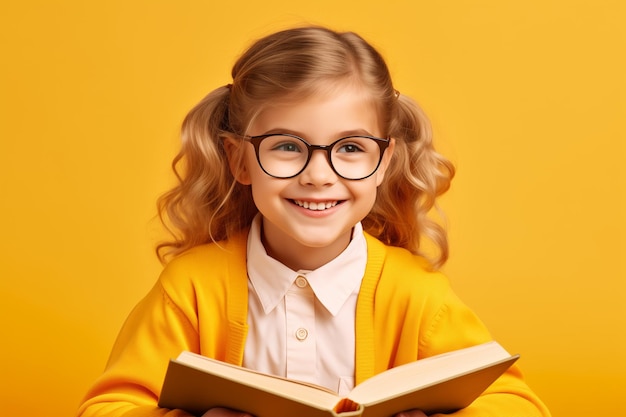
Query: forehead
{"points": [[320, 115]]}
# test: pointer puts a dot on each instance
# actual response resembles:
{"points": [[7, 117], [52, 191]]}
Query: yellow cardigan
{"points": [[200, 304]]}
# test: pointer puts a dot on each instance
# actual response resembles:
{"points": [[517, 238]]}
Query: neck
{"points": [[296, 256]]}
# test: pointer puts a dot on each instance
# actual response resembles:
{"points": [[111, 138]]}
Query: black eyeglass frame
{"points": [[383, 144]]}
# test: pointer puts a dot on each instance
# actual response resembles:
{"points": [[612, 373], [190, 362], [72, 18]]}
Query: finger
{"points": [[411, 413], [225, 412]]}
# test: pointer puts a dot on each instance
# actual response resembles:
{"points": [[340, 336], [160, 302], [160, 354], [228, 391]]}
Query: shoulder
{"points": [[206, 264], [404, 272], [407, 288]]}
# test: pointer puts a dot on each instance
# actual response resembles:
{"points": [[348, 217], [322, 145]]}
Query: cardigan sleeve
{"points": [[416, 314], [199, 303], [456, 326], [161, 325]]}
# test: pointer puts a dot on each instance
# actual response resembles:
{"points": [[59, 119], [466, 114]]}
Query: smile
{"points": [[316, 206]]}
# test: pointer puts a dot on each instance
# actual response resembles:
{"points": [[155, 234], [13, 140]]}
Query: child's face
{"points": [[300, 237]]}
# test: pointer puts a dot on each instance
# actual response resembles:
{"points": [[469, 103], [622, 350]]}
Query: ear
{"points": [[384, 163], [235, 152]]}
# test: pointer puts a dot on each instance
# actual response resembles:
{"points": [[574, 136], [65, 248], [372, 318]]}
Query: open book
{"points": [[441, 383]]}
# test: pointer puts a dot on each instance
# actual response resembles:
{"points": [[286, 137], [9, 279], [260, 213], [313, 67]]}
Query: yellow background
{"points": [[526, 97]]}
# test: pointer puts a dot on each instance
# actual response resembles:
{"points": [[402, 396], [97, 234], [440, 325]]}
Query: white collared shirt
{"points": [[301, 323]]}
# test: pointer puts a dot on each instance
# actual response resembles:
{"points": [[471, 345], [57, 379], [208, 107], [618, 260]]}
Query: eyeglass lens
{"points": [[352, 157]]}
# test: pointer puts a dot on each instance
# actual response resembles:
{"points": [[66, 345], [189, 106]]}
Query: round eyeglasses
{"points": [[283, 155]]}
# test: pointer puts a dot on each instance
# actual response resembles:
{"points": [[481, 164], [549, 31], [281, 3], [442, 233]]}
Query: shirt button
{"points": [[301, 281], [301, 334]]}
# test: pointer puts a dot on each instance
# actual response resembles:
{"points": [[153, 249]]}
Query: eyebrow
{"points": [[342, 134]]}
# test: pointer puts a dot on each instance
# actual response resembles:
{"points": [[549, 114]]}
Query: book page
{"points": [[314, 395], [427, 371]]}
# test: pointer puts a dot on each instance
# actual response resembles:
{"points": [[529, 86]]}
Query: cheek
{"points": [[264, 187], [366, 192]]}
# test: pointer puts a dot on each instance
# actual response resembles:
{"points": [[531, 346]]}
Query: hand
{"points": [[411, 413], [225, 412]]}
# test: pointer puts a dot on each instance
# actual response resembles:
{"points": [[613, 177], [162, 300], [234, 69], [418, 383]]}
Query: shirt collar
{"points": [[332, 283]]}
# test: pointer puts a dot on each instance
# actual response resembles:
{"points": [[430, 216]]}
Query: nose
{"points": [[318, 172]]}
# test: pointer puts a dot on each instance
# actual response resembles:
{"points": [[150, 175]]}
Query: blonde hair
{"points": [[208, 204]]}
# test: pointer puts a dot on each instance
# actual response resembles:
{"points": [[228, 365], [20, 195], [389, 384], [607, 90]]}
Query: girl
{"points": [[298, 225]]}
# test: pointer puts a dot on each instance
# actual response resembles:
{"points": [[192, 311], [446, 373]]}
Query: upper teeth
{"points": [[311, 205]]}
